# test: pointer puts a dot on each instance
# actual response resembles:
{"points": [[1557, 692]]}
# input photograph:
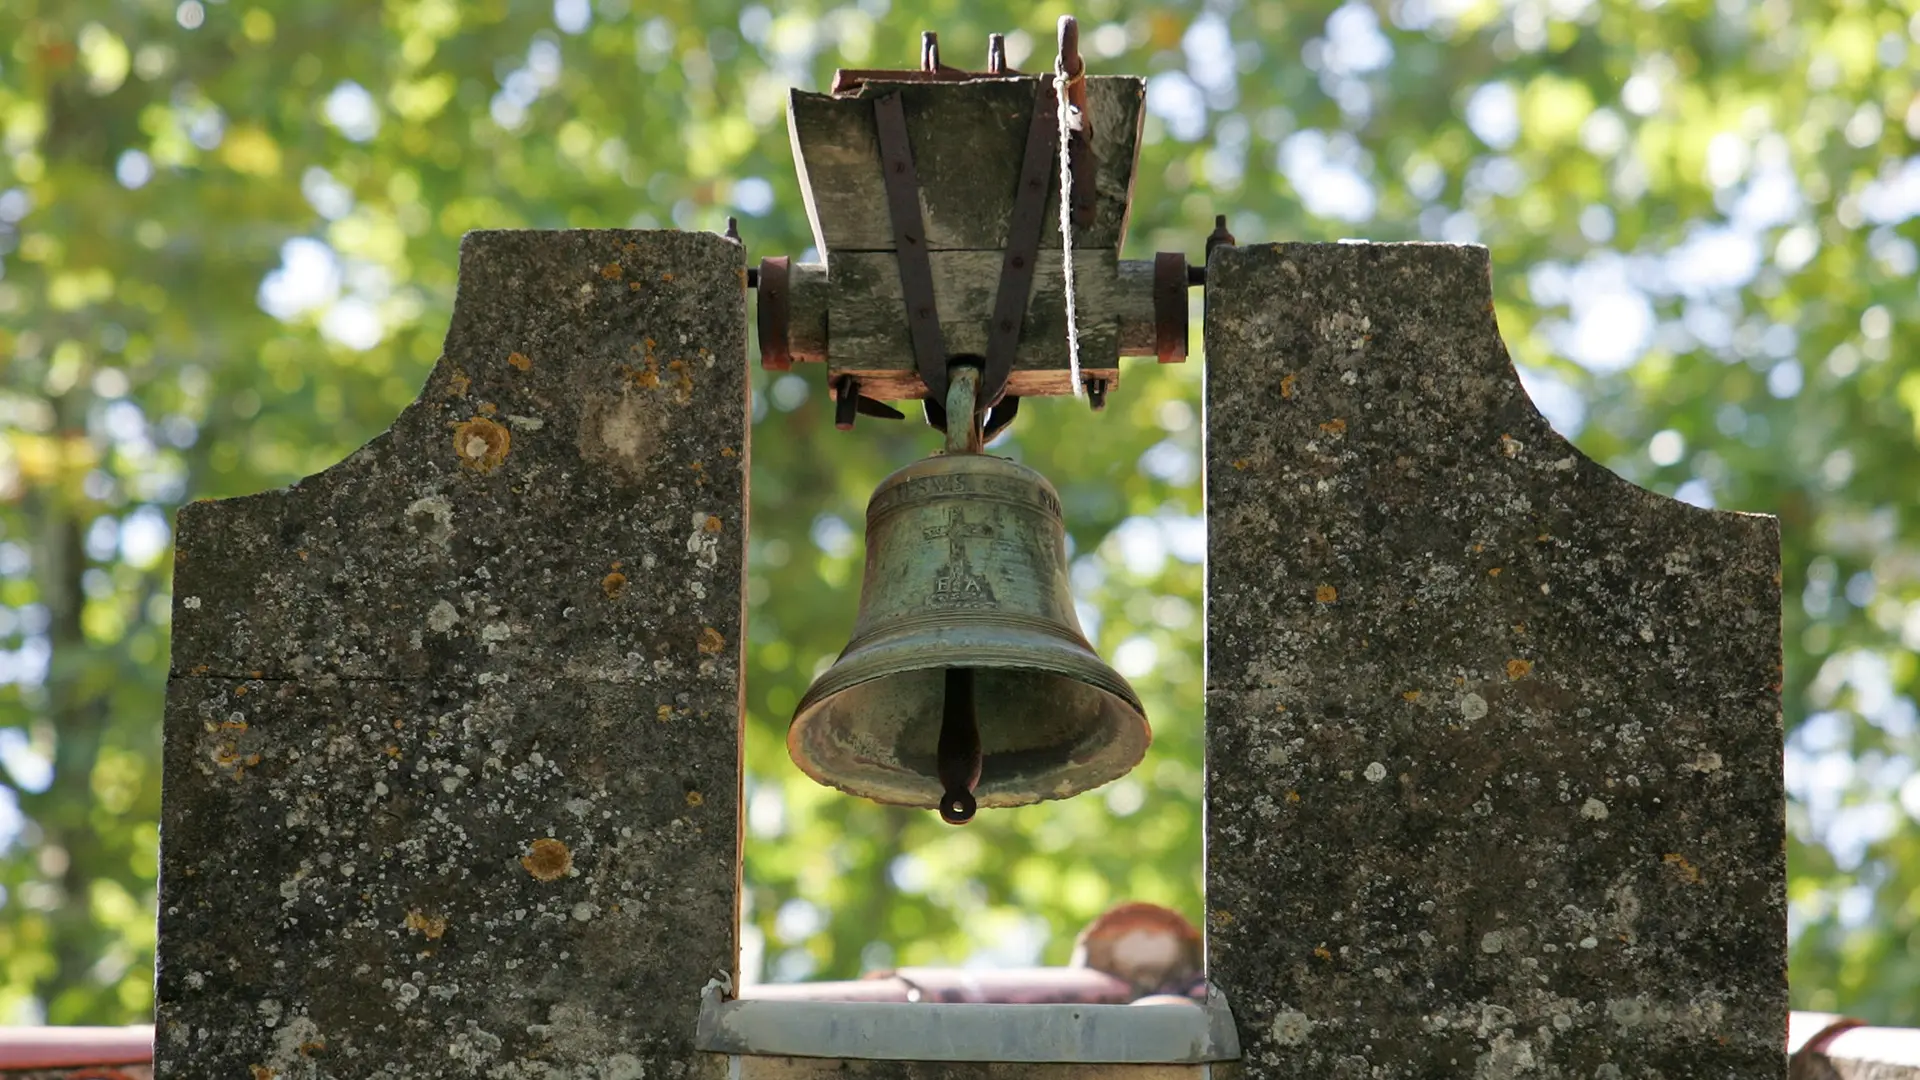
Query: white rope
{"points": [[1069, 123]]}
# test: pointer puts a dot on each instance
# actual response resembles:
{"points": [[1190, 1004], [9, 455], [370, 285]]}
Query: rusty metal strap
{"points": [[1024, 228], [910, 243]]}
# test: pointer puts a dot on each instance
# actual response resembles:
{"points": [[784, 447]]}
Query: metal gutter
{"points": [[1142, 1034]]}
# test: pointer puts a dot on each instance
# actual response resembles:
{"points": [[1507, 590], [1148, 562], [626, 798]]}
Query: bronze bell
{"points": [[968, 680]]}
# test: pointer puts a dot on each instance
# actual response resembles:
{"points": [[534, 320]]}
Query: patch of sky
{"points": [[1557, 400], [1326, 173], [572, 16], [1493, 114], [1894, 195], [1179, 102], [352, 111], [753, 196]]}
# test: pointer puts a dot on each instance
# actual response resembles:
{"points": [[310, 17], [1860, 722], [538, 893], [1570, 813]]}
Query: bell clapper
{"points": [[958, 757]]}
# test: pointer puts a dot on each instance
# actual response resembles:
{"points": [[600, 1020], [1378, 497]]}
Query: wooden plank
{"points": [[967, 145], [867, 329], [878, 354]]}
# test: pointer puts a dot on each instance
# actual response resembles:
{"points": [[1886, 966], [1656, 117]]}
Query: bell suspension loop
{"points": [[963, 410], [957, 756]]}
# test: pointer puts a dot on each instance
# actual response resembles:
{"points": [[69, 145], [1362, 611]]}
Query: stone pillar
{"points": [[1494, 739], [453, 727]]}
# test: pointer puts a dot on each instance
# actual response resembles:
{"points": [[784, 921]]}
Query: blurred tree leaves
{"points": [[227, 244]]}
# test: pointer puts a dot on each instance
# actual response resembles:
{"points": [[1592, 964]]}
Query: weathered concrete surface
{"points": [[452, 735], [1494, 742]]}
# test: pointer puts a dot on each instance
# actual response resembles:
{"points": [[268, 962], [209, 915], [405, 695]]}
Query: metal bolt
{"points": [[929, 51], [996, 54], [1097, 394], [1220, 235]]}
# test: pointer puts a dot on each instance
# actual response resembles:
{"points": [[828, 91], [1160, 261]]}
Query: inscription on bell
{"points": [[923, 488], [961, 591]]}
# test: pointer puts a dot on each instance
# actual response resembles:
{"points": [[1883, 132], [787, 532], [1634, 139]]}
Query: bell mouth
{"points": [[1054, 721]]}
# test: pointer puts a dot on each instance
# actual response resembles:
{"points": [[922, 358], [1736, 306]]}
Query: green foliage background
{"points": [[156, 159]]}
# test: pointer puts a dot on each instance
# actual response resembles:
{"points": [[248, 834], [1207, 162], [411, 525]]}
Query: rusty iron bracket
{"points": [[910, 243], [1080, 143], [850, 81], [849, 402], [1170, 283], [774, 312], [1024, 227]]}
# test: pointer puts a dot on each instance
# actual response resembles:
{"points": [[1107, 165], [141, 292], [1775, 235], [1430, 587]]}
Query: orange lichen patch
{"points": [[457, 386], [233, 725], [633, 286], [520, 360], [694, 798], [664, 713], [713, 524], [1509, 446], [647, 378], [1240, 463], [1519, 628], [302, 553], [666, 277], [1519, 669], [261, 1072], [392, 751], [547, 860], [612, 272], [1681, 866], [228, 756], [1335, 426], [1293, 796], [201, 669], [1494, 571], [613, 584], [488, 408], [728, 451], [1286, 385], [699, 472], [1322, 952], [1410, 695], [431, 925], [711, 642], [683, 386], [239, 691], [308, 1049], [1326, 594], [481, 444]]}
